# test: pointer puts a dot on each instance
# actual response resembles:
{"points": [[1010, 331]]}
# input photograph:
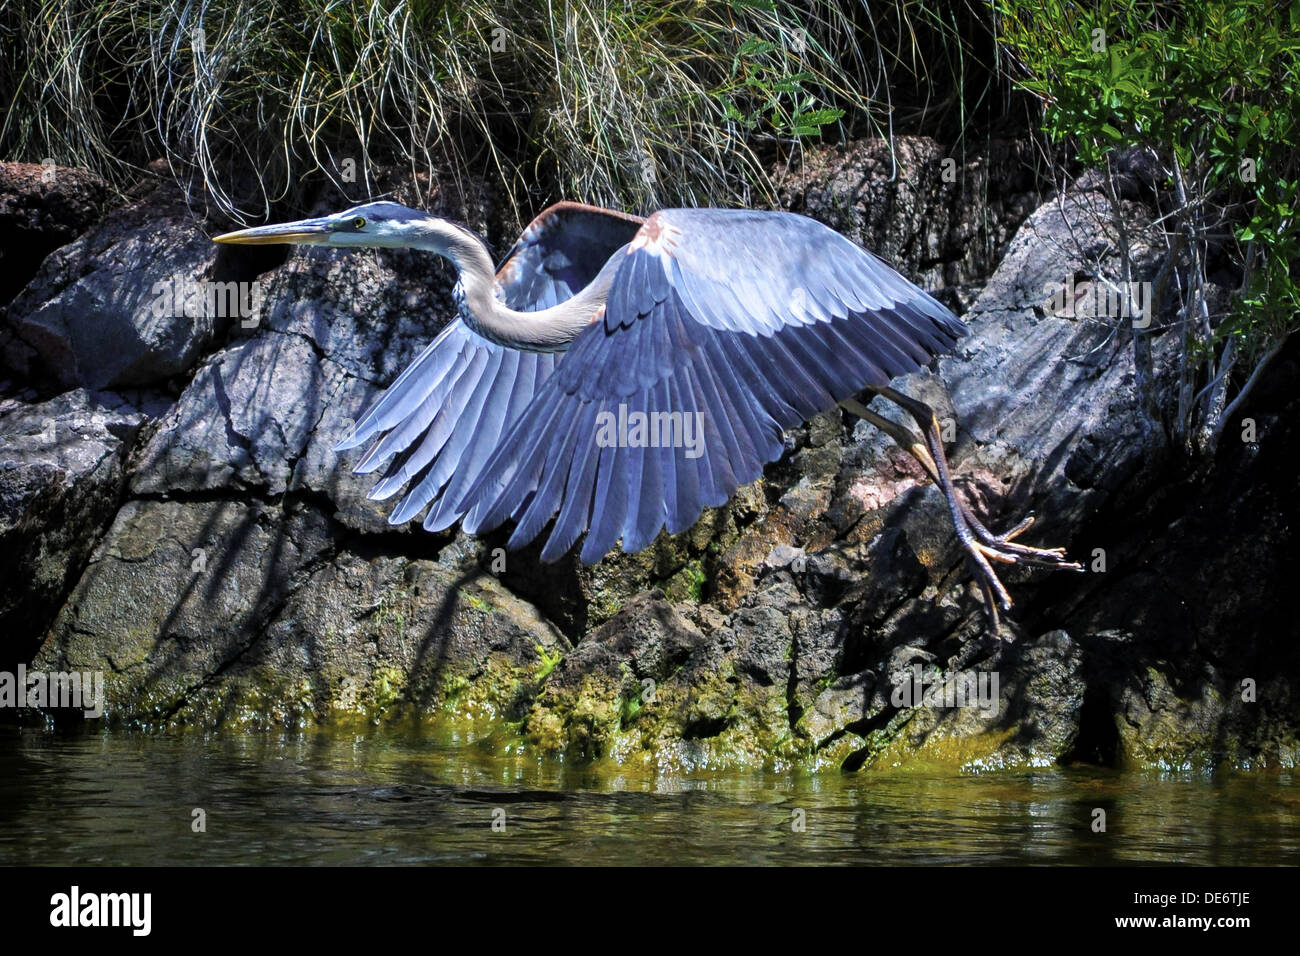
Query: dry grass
{"points": [[622, 102]]}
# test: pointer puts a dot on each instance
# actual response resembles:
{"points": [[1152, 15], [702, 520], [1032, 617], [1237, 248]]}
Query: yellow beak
{"points": [[304, 232]]}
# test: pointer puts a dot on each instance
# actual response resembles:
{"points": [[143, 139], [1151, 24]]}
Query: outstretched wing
{"points": [[722, 328], [440, 421]]}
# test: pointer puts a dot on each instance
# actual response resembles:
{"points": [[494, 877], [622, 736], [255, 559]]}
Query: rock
{"points": [[42, 207], [881, 568], [222, 614], [943, 221], [133, 302], [1040, 394], [265, 412], [61, 480], [247, 582], [842, 704], [783, 556], [225, 586], [1021, 710], [175, 593], [648, 687], [1194, 648], [243, 422]]}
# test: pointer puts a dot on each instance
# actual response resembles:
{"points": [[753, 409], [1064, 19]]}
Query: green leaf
{"points": [[820, 117]]}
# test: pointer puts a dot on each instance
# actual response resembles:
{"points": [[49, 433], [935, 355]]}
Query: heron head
{"points": [[382, 224]]}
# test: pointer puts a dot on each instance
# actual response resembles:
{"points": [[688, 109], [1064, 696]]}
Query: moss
{"points": [[547, 732], [941, 751], [391, 616], [386, 686], [476, 602], [628, 709], [688, 584], [696, 720], [590, 724], [548, 663]]}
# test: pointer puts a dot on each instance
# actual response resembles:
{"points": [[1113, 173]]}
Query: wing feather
{"points": [[575, 512], [440, 421], [753, 322]]}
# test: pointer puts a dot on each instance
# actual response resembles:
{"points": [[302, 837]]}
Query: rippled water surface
{"points": [[393, 798]]}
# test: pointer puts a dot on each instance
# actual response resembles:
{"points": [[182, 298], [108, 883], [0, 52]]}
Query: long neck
{"points": [[546, 330]]}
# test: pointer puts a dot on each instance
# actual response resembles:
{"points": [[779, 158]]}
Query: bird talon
{"points": [[1018, 530], [981, 545], [990, 584], [985, 547], [995, 555]]}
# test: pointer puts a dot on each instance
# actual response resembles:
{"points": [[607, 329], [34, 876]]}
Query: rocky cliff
{"points": [[173, 514]]}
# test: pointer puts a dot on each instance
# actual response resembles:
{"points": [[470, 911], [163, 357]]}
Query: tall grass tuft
{"points": [[624, 102]]}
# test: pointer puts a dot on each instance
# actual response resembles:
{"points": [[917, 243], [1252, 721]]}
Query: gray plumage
{"points": [[616, 376]]}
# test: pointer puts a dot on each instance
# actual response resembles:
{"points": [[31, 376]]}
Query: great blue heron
{"points": [[619, 374]]}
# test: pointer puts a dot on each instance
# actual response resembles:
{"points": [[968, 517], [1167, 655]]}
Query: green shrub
{"points": [[1211, 91]]}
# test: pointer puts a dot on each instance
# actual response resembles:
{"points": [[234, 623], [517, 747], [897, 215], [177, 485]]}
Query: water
{"points": [[392, 798]]}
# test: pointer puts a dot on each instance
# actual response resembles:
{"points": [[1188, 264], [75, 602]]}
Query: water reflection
{"points": [[392, 798]]}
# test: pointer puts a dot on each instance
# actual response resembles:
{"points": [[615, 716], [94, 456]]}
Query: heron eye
{"points": [[359, 222]]}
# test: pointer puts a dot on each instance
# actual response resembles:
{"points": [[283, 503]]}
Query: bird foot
{"points": [[984, 547], [1003, 547]]}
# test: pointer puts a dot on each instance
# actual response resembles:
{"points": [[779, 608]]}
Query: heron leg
{"points": [[991, 588], [980, 544], [901, 434], [1014, 553], [917, 448]]}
